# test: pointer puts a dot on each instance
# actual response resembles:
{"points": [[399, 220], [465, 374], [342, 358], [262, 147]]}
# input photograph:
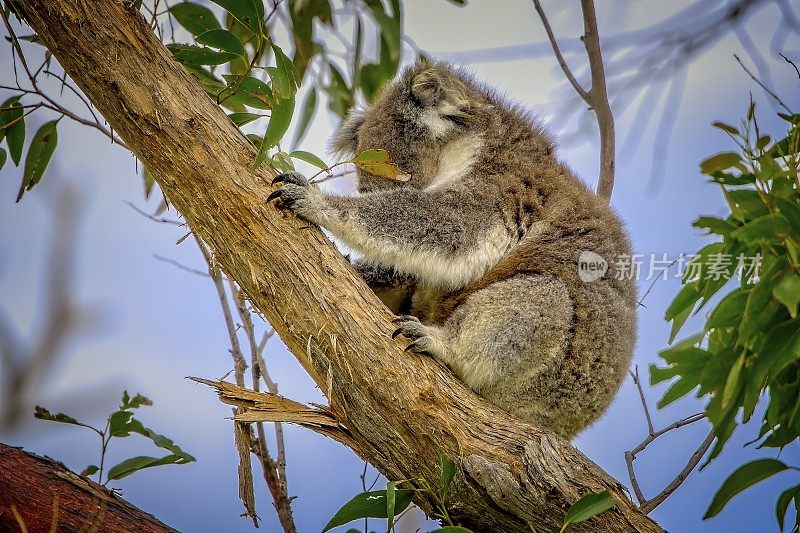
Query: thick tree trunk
{"points": [[44, 495], [396, 410]]}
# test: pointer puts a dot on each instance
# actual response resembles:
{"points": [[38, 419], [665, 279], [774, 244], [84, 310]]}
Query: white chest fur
{"points": [[456, 159]]}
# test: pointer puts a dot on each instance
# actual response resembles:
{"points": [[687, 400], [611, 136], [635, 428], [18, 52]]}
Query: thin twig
{"points": [[761, 84], [596, 96], [630, 456], [695, 458], [274, 471]]}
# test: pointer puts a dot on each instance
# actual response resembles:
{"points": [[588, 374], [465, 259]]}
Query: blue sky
{"points": [[158, 324]]}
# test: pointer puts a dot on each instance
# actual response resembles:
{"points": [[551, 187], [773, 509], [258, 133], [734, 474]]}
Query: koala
{"points": [[478, 252]]}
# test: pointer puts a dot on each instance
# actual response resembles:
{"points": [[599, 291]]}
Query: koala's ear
{"points": [[437, 88], [344, 142]]}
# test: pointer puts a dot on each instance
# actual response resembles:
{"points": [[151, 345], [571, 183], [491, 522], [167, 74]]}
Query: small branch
{"points": [[638, 383], [597, 95], [242, 437], [274, 471], [659, 498], [645, 504], [761, 84], [557, 51]]}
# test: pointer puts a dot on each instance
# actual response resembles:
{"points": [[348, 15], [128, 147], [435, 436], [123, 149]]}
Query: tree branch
{"points": [[596, 96], [49, 497], [399, 410]]}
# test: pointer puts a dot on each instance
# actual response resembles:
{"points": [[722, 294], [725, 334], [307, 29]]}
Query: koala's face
{"points": [[412, 119]]}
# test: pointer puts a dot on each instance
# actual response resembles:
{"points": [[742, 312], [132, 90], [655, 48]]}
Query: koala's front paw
{"points": [[299, 196], [424, 339]]}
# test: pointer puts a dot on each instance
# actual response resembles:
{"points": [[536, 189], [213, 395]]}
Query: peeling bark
{"points": [[399, 410]]}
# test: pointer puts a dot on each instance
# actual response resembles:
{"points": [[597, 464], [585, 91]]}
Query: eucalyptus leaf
{"points": [[40, 152], [743, 477]]}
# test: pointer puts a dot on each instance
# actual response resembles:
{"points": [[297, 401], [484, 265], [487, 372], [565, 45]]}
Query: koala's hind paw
{"points": [[424, 339], [297, 195]]}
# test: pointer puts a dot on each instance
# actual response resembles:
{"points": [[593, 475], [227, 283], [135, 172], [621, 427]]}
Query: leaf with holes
{"points": [[369, 505], [377, 163], [222, 40], [195, 18]]}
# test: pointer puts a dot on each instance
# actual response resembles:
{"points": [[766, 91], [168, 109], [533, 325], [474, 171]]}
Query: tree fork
{"points": [[399, 410]]}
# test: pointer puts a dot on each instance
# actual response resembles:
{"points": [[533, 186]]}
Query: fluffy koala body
{"points": [[478, 251]]}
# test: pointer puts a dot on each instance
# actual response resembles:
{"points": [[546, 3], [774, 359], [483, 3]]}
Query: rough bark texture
{"points": [[44, 495], [399, 410]]}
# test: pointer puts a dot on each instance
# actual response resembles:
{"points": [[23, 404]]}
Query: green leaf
{"points": [[134, 403], [689, 379], [369, 505], [43, 414], [746, 204], [715, 225], [767, 227], [249, 12], [725, 127], [782, 504], [447, 471], [787, 291], [450, 529], [590, 505], [3, 157], [249, 90], [89, 471], [39, 153], [308, 107], [222, 40], [148, 181], [195, 18], [745, 476], [198, 55], [283, 75], [732, 383], [721, 161], [13, 114], [240, 119], [309, 158], [134, 464], [728, 312], [278, 124], [377, 163], [118, 423], [390, 501]]}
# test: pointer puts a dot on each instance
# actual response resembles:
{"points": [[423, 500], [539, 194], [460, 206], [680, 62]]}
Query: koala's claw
{"points": [[423, 338], [290, 177]]}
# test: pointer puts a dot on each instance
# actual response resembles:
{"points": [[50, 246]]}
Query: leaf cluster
{"points": [[121, 424], [748, 352]]}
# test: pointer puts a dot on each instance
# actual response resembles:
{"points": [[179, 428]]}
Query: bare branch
{"points": [[659, 498], [645, 504], [596, 96], [557, 52], [761, 84]]}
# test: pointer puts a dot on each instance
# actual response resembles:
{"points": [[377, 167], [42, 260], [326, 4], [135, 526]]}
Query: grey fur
{"points": [[480, 247]]}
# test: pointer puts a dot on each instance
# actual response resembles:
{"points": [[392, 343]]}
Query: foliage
{"points": [[120, 424], [235, 56], [392, 502], [748, 353]]}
